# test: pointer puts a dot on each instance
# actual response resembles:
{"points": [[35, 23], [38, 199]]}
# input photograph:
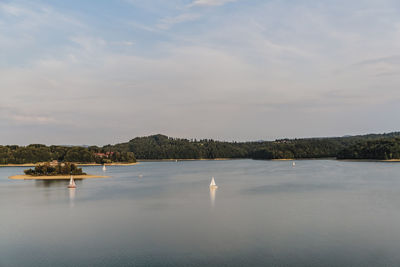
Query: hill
{"points": [[163, 147], [156, 147]]}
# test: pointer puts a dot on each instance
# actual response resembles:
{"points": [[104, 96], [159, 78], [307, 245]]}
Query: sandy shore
{"points": [[79, 164], [58, 177]]}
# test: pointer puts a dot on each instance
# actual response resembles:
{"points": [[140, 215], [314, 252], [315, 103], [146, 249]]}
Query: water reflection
{"points": [[326, 213], [50, 183], [213, 192], [72, 192], [55, 183]]}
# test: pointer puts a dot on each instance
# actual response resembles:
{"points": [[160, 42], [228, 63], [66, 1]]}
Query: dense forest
{"points": [[383, 149], [41, 153], [372, 146], [163, 147]]}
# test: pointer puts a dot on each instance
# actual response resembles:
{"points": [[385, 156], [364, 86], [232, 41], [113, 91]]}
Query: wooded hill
{"points": [[163, 147], [371, 146]]}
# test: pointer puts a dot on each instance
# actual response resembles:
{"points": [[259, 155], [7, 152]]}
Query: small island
{"points": [[51, 171]]}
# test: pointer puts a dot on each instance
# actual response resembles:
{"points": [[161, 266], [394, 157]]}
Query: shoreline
{"points": [[370, 160], [167, 160], [56, 177], [216, 159], [108, 164], [78, 164]]}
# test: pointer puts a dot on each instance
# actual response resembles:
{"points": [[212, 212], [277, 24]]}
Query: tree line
{"points": [[372, 146], [41, 153], [382, 149], [164, 147]]}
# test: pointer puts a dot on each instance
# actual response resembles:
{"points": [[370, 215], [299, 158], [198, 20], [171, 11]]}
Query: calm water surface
{"points": [[264, 213]]}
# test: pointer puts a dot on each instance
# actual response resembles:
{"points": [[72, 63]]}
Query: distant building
{"points": [[104, 155], [54, 163]]}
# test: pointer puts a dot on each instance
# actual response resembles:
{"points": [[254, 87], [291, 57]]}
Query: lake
{"points": [[264, 213]]}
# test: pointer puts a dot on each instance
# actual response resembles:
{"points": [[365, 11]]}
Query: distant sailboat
{"points": [[212, 184], [104, 168], [72, 183], [293, 163]]}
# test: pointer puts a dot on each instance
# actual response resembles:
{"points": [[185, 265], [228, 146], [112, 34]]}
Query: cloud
{"points": [[20, 117], [124, 43], [168, 22], [211, 2], [12, 10], [261, 71], [374, 67], [395, 59], [34, 15], [30, 119]]}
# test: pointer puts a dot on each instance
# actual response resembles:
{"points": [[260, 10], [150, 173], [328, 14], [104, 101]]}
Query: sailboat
{"points": [[104, 168], [293, 163], [72, 183], [212, 184]]}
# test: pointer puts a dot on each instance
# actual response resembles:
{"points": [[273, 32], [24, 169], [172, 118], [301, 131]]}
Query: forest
{"points": [[164, 147], [156, 147], [41, 153], [382, 149]]}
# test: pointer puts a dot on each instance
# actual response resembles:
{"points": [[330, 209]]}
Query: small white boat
{"points": [[140, 175], [104, 168], [293, 163], [72, 183], [213, 185]]}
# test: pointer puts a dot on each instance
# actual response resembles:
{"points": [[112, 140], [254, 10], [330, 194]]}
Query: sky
{"points": [[103, 72]]}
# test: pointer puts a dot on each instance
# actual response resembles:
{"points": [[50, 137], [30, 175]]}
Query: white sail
{"points": [[72, 183], [104, 168], [213, 184], [293, 163]]}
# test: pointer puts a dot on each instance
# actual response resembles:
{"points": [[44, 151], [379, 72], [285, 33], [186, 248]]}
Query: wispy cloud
{"points": [[30, 119], [211, 2], [168, 22], [395, 59], [196, 71], [35, 15], [19, 117], [12, 10], [374, 67]]}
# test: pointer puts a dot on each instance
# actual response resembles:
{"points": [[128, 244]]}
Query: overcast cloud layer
{"points": [[98, 72]]}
